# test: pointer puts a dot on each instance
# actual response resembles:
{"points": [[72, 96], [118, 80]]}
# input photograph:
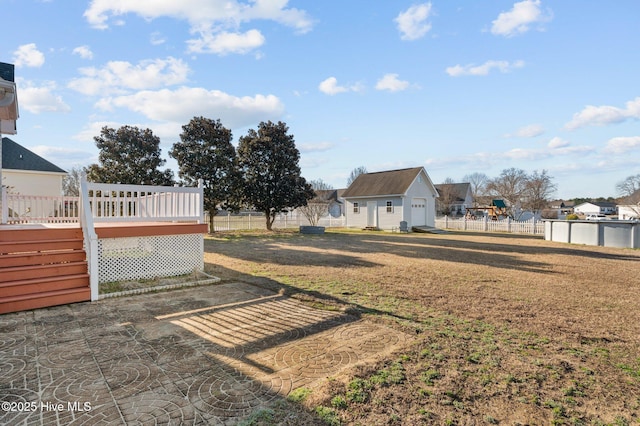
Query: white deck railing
{"points": [[127, 203], [103, 202], [40, 209]]}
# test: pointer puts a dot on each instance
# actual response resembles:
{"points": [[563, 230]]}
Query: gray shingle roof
{"points": [[17, 157], [457, 190], [391, 182]]}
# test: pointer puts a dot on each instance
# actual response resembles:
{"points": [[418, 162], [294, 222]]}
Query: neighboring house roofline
{"points": [[380, 195], [390, 183], [17, 157]]}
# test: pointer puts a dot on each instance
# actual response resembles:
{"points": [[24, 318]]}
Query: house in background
{"points": [[382, 200], [25, 172], [629, 211], [454, 198], [595, 208]]}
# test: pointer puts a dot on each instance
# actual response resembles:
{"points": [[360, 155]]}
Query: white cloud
{"points": [[316, 147], [28, 55], [184, 103], [93, 129], [485, 160], [217, 21], [557, 142], [484, 69], [603, 115], [621, 144], [64, 157], [391, 83], [119, 76], [413, 23], [156, 38], [223, 43], [330, 87], [37, 99], [519, 19], [529, 131], [83, 51]]}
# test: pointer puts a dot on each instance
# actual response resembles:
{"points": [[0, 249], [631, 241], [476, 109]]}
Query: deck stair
{"points": [[41, 266]]}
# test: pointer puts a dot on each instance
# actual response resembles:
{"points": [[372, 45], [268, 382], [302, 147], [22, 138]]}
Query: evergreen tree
{"points": [[129, 155], [268, 160], [205, 152]]}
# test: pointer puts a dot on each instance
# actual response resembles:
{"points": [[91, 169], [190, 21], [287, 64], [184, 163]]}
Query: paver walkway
{"points": [[206, 355]]}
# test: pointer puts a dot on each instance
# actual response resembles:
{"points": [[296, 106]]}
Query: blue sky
{"points": [[455, 86]]}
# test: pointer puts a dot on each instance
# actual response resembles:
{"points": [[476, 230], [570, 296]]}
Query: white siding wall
{"points": [[356, 220], [386, 220], [389, 220], [32, 183], [421, 190]]}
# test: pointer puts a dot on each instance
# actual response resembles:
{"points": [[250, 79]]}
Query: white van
{"points": [[598, 216]]}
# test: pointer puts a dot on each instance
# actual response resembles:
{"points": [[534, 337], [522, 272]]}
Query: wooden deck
{"points": [[45, 265], [122, 229]]}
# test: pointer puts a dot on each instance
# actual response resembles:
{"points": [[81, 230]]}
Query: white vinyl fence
{"points": [[531, 226], [249, 221]]}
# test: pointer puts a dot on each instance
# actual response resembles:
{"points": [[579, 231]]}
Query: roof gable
{"points": [[17, 157], [391, 182], [457, 190]]}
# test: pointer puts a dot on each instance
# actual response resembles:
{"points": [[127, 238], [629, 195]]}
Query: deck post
{"points": [[201, 200], [5, 206], [90, 237]]}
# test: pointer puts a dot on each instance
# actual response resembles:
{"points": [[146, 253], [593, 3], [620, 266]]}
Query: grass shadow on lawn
{"points": [[344, 251]]}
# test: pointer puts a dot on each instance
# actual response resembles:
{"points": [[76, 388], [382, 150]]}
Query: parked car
{"points": [[599, 216]]}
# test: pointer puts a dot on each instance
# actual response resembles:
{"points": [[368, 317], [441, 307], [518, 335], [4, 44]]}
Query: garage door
{"points": [[418, 212]]}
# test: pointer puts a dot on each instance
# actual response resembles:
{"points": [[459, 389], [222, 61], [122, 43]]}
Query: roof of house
{"points": [[391, 182], [17, 157], [457, 190], [598, 204]]}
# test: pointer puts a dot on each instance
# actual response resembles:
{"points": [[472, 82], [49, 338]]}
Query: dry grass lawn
{"points": [[509, 329]]}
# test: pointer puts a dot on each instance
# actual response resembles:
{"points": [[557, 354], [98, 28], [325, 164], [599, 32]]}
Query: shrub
{"points": [[572, 216]]}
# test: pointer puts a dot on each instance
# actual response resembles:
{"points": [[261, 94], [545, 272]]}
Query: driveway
{"points": [[204, 355]]}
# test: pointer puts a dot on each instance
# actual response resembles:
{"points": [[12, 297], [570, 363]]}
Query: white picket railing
{"points": [[40, 209], [531, 226], [127, 203]]}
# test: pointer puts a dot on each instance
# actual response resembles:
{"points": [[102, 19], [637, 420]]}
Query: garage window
{"points": [[389, 206], [356, 208]]}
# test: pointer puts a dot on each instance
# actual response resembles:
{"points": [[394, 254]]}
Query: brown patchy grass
{"points": [[510, 329]]}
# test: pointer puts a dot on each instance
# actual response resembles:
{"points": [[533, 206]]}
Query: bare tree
{"points": [[629, 189], [539, 188], [478, 182], [319, 205], [447, 192], [355, 173], [509, 186], [71, 182]]}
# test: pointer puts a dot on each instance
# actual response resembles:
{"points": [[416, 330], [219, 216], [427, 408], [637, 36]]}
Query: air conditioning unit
{"points": [[8, 100]]}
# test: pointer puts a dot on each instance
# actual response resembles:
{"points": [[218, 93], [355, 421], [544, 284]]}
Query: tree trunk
{"points": [[270, 219]]}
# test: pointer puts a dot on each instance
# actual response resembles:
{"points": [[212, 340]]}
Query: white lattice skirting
{"points": [[134, 258]]}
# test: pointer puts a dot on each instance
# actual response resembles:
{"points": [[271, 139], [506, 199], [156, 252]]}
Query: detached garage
{"points": [[382, 200]]}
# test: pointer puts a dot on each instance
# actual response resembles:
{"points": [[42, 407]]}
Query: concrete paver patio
{"points": [[205, 355]]}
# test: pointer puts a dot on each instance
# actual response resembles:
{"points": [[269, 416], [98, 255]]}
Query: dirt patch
{"points": [[509, 329]]}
